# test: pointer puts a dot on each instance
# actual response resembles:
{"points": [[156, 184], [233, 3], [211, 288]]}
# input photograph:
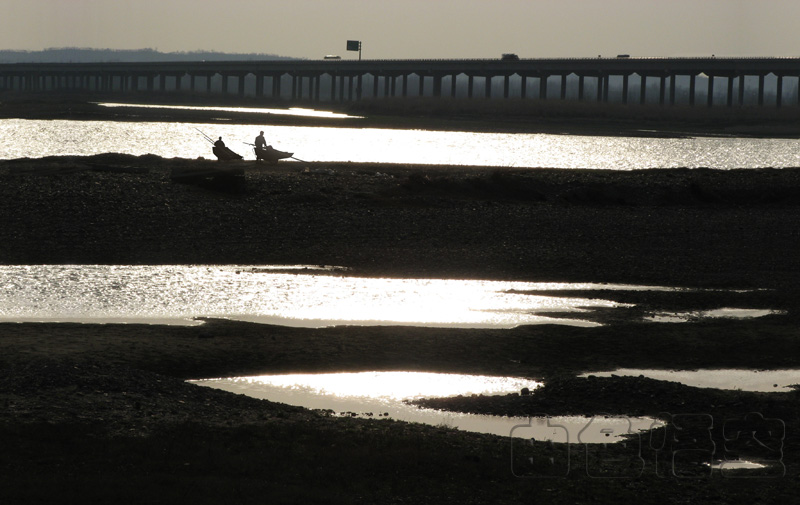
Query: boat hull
{"points": [[225, 154], [270, 155]]}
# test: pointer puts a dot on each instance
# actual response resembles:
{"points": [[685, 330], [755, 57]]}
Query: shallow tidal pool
{"points": [[385, 395]]}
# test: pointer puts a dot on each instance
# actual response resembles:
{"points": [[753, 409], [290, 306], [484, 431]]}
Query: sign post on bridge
{"points": [[354, 45]]}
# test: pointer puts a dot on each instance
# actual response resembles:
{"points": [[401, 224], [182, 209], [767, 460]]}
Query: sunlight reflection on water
{"points": [[38, 138], [292, 296], [734, 379], [294, 111], [384, 395]]}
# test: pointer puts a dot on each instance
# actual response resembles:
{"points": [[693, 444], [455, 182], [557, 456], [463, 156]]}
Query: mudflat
{"points": [[102, 412]]}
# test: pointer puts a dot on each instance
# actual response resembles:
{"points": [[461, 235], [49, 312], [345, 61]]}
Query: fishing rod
{"points": [[206, 136]]}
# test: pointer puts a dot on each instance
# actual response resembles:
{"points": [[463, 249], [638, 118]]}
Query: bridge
{"points": [[731, 82]]}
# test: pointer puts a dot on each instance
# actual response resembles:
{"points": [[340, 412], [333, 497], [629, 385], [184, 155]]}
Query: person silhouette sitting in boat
{"points": [[223, 153], [261, 143]]}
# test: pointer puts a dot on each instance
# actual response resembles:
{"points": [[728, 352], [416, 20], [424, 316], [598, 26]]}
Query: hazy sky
{"points": [[411, 28]]}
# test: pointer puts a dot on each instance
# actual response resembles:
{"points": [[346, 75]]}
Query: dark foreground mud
{"points": [[93, 413]]}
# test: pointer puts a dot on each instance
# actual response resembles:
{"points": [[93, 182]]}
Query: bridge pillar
{"points": [[798, 91], [729, 94], [692, 84], [710, 93], [779, 92], [471, 85], [599, 90], [672, 79], [453, 85], [581, 85], [405, 85], [543, 86], [437, 86], [350, 88], [625, 89], [741, 90], [487, 90], [761, 90], [506, 85], [523, 90], [662, 89], [563, 86], [259, 86], [642, 90]]}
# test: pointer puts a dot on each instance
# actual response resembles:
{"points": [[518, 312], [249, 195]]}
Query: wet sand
{"points": [[101, 412]]}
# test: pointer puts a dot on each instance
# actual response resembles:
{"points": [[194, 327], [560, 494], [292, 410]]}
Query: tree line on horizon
{"points": [[88, 55]]}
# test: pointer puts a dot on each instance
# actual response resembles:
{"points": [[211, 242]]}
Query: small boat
{"points": [[270, 155], [225, 154]]}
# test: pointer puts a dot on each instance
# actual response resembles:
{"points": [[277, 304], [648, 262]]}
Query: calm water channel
{"points": [[35, 138], [286, 295], [385, 395]]}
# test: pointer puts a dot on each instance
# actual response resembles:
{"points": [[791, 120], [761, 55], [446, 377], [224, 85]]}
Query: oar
{"points": [[290, 157]]}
